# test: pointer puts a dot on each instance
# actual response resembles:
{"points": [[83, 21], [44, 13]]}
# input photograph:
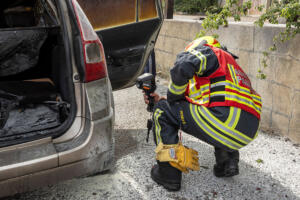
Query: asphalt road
{"points": [[269, 166]]}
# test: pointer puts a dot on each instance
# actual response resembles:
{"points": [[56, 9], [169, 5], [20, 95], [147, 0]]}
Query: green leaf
{"points": [[273, 48], [260, 161], [260, 8], [265, 54]]}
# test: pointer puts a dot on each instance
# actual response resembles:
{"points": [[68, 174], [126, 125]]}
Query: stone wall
{"points": [[280, 91]]}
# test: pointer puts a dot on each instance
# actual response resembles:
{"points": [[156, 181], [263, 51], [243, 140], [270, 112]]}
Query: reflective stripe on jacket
{"points": [[211, 77]]}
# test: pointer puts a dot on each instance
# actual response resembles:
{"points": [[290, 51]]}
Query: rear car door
{"points": [[128, 30]]}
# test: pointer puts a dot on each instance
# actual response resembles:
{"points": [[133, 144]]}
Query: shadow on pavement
{"points": [[127, 141]]}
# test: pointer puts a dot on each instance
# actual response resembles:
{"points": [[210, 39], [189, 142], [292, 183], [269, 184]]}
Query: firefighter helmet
{"points": [[210, 41], [202, 41]]}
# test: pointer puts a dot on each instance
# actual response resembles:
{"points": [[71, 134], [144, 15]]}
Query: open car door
{"points": [[128, 30]]}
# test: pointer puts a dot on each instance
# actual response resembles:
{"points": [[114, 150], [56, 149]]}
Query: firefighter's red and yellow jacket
{"points": [[209, 76]]}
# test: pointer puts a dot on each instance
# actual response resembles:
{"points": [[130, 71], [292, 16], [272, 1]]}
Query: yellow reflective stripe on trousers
{"points": [[218, 124], [178, 90], [233, 118], [157, 114], [231, 111], [210, 131], [202, 58], [237, 118]]}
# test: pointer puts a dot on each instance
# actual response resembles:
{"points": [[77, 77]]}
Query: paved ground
{"points": [[269, 167]]}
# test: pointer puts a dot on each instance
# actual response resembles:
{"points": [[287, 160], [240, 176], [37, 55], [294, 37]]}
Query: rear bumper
{"points": [[99, 139], [94, 155], [52, 176]]}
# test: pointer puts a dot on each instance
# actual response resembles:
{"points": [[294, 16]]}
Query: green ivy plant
{"points": [[289, 10], [195, 6]]}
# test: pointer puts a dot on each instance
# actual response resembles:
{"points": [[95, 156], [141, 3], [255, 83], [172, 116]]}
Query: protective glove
{"points": [[179, 156], [187, 159]]}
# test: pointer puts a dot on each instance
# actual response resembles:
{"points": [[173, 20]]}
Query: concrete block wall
{"points": [[280, 91]]}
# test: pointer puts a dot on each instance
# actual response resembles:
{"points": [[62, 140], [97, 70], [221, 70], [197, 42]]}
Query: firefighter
{"points": [[211, 98]]}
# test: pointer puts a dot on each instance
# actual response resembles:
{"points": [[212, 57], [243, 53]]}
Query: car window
{"points": [[147, 10], [105, 14]]}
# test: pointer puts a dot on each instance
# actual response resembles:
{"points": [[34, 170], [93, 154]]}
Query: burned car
{"points": [[59, 62]]}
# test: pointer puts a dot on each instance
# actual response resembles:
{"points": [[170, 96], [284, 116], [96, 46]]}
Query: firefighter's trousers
{"points": [[228, 128]]}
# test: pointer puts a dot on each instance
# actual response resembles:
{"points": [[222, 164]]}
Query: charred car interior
{"points": [[36, 92]]}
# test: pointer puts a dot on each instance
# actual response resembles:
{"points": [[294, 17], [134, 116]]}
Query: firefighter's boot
{"points": [[226, 163], [167, 176]]}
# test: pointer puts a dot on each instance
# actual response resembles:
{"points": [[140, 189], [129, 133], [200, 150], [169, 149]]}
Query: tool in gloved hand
{"points": [[146, 82]]}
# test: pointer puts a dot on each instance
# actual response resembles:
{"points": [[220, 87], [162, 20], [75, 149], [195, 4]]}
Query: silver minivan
{"points": [[59, 62]]}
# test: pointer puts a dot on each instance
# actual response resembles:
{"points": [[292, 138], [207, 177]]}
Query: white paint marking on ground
{"points": [[134, 184]]}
